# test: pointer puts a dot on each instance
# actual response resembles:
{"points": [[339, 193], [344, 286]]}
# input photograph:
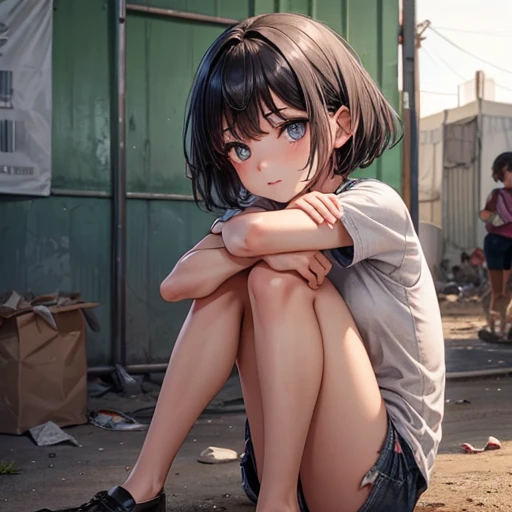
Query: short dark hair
{"points": [[309, 67], [501, 164]]}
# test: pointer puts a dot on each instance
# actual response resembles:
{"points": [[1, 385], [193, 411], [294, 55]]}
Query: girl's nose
{"points": [[262, 165]]}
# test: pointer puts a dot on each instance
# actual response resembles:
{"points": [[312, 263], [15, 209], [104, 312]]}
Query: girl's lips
{"points": [[274, 182]]}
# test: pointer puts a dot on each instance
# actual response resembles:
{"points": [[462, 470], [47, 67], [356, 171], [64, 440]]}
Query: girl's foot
{"points": [[117, 499]]}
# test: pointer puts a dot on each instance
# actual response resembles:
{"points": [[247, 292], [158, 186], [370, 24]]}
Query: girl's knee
{"points": [[270, 286]]}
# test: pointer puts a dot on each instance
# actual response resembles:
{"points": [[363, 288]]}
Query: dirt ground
{"points": [[61, 475], [478, 482]]}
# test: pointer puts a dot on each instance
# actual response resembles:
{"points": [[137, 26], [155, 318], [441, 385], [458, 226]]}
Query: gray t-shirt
{"points": [[386, 283]]}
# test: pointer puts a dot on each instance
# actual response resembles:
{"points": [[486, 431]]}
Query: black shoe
{"points": [[116, 500]]}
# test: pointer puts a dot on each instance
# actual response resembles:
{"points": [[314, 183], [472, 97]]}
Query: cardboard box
{"points": [[43, 365]]}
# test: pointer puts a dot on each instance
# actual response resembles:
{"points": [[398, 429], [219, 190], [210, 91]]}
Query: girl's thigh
{"points": [[350, 424]]}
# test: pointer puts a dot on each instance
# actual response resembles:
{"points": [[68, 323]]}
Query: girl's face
{"points": [[507, 178], [274, 166]]}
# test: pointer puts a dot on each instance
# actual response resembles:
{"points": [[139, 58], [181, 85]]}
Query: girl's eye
{"points": [[242, 152], [296, 130]]}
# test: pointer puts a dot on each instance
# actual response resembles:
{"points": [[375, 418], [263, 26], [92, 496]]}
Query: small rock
{"points": [[52, 455]]}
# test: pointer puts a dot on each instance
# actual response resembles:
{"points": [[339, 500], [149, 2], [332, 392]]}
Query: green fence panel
{"points": [[64, 243], [60, 244], [81, 96]]}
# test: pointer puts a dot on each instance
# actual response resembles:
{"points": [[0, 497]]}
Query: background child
{"points": [[497, 214]]}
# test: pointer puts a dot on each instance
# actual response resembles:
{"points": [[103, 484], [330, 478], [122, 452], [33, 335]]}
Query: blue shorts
{"points": [[498, 252], [397, 483]]}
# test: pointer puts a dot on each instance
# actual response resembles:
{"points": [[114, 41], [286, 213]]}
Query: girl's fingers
{"points": [[334, 201], [324, 261], [309, 276], [318, 269], [311, 211], [322, 207]]}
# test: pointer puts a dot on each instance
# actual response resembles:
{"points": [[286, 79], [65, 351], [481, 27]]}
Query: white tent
{"points": [[457, 149]]}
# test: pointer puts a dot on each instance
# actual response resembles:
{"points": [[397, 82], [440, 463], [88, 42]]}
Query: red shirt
{"points": [[500, 203]]}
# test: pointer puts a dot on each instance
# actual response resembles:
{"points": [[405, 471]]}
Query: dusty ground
{"points": [[63, 475], [483, 481]]}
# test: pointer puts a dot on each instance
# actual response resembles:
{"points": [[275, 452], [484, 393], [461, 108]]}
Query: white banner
{"points": [[25, 96]]}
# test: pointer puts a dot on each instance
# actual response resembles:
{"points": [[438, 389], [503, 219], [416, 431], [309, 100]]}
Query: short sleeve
{"points": [[378, 221], [492, 198]]}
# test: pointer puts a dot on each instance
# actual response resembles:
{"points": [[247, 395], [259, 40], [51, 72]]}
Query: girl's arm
{"points": [[281, 231], [205, 267], [485, 215], [202, 270]]}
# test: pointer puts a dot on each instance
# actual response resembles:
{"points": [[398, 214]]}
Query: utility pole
{"points": [[410, 38], [420, 30]]}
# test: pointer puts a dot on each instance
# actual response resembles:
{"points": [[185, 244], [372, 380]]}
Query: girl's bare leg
{"points": [[323, 414], [250, 382], [200, 364], [506, 276], [350, 421], [497, 280]]}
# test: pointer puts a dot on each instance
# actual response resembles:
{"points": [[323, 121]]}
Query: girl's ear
{"points": [[341, 126]]}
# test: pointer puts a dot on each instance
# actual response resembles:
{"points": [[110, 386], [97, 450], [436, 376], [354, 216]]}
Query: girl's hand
{"points": [[320, 207], [313, 266], [486, 215]]}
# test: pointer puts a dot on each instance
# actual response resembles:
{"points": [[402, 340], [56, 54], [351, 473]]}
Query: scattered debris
{"points": [[49, 434], [115, 420], [458, 402], [214, 455], [492, 444], [125, 383], [97, 388]]}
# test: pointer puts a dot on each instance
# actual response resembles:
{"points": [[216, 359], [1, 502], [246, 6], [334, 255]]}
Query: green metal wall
{"points": [[63, 242]]}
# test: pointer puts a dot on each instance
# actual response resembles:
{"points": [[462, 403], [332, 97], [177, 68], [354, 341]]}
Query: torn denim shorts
{"points": [[395, 479]]}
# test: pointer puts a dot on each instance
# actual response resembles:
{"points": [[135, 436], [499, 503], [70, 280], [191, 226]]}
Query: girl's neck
{"points": [[330, 184]]}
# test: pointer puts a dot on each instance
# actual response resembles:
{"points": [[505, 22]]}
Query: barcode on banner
{"points": [[11, 135], [6, 89]]}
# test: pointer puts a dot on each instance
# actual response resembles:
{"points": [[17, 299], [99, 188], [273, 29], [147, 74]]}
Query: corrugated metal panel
{"points": [[159, 233], [65, 243], [460, 187], [60, 244], [81, 96], [162, 56]]}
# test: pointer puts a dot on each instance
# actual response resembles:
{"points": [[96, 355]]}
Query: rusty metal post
{"points": [[118, 166]]}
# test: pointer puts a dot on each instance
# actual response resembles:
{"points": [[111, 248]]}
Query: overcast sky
{"points": [[481, 27]]}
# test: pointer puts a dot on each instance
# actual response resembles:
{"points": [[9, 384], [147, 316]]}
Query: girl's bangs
{"points": [[250, 72]]}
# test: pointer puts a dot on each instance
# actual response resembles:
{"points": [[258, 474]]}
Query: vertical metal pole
{"points": [[118, 156], [409, 100]]}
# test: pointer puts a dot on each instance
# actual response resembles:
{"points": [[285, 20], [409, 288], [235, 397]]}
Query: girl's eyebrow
{"points": [[268, 114]]}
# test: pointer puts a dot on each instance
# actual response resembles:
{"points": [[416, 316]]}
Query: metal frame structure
{"points": [[119, 194]]}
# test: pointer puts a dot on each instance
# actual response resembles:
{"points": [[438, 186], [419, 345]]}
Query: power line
{"points": [[430, 52], [503, 87], [448, 40], [440, 93], [431, 55], [479, 32]]}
